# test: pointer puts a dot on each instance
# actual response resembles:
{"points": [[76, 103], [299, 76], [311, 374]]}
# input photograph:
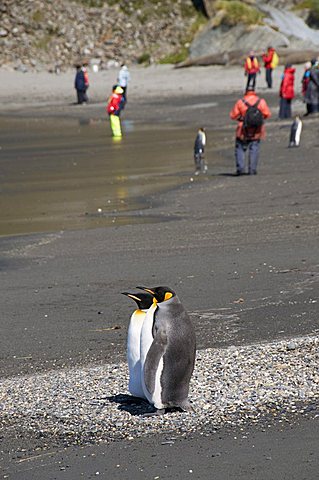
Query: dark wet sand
{"points": [[268, 452], [215, 240]]}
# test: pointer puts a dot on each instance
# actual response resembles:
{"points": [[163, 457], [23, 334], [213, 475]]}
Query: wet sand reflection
{"points": [[58, 174]]}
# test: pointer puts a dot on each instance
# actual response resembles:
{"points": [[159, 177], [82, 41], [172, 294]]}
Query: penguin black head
{"points": [[143, 300], [161, 294]]}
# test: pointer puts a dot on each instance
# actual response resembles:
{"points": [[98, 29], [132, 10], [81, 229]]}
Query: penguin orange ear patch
{"points": [[167, 296]]}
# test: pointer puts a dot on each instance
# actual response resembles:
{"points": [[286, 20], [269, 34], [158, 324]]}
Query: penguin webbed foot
{"points": [[157, 412]]}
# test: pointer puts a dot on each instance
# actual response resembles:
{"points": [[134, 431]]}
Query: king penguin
{"points": [[295, 132], [169, 362], [144, 301]]}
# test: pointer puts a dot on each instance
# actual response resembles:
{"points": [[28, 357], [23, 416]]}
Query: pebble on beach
{"points": [[229, 386]]}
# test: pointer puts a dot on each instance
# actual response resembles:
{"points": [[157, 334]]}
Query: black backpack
{"points": [[253, 119]]}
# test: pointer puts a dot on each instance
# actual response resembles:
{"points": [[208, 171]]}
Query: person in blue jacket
{"points": [[79, 85]]}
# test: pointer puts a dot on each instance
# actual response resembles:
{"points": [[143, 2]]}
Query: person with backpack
{"points": [[251, 69], [271, 61], [250, 113]]}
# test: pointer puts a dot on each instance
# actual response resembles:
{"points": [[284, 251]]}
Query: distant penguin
{"points": [[143, 301], [169, 363], [295, 132]]}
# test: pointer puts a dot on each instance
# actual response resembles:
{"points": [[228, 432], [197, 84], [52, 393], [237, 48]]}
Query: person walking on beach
{"points": [[114, 108], [79, 85], [250, 113], [287, 91], [271, 61], [123, 79], [251, 69], [199, 148]]}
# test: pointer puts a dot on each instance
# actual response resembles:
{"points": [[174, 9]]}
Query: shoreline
{"points": [[241, 253], [160, 81]]}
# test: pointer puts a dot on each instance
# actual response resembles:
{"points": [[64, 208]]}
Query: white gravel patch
{"points": [[229, 386]]}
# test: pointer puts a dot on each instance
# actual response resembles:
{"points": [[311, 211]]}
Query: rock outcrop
{"points": [[56, 33], [222, 43]]}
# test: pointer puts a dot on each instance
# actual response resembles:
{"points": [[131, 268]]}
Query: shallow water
{"points": [[58, 174]]}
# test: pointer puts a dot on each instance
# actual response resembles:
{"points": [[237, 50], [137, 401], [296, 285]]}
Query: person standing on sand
{"points": [[114, 108], [123, 79], [86, 81], [251, 69], [79, 85], [312, 92], [270, 60], [199, 148], [304, 85], [250, 130], [287, 91]]}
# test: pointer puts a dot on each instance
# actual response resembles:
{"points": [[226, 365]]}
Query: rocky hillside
{"points": [[56, 33]]}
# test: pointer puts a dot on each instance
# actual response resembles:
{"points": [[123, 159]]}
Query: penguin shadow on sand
{"points": [[137, 406], [134, 405]]}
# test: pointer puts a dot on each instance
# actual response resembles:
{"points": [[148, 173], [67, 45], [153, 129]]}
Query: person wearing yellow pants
{"points": [[115, 123], [114, 109]]}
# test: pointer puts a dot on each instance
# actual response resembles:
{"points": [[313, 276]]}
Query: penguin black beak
{"points": [[146, 290], [134, 297]]}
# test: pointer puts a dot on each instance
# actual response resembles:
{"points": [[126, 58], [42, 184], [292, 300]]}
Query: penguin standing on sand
{"points": [[144, 301], [170, 359], [295, 132]]}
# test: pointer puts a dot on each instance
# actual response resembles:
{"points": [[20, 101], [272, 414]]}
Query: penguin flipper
{"points": [[153, 357]]}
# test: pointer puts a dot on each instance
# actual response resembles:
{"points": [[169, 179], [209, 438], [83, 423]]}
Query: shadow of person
{"points": [[227, 174]]}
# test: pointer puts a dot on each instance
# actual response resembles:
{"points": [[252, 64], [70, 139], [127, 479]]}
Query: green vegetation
{"points": [[311, 4], [43, 42], [177, 57], [93, 3], [232, 12], [38, 16], [144, 58]]}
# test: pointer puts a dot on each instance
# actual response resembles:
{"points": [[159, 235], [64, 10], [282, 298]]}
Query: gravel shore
{"points": [[241, 252], [230, 386]]}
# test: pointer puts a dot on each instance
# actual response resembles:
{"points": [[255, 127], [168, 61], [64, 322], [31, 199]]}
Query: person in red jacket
{"points": [[268, 64], [114, 107], [248, 140], [287, 91], [251, 69]]}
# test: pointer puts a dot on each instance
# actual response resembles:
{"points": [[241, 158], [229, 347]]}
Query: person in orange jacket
{"points": [[248, 136], [251, 69], [268, 58]]}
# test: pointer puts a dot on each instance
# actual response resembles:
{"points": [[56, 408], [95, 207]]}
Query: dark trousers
{"points": [[285, 108], [253, 147], [251, 80], [269, 77], [82, 96]]}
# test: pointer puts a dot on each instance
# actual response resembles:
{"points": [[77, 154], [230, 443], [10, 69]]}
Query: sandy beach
{"points": [[242, 253]]}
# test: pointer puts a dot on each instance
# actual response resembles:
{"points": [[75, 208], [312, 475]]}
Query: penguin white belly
{"points": [[298, 133], [145, 343], [133, 353], [157, 394]]}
